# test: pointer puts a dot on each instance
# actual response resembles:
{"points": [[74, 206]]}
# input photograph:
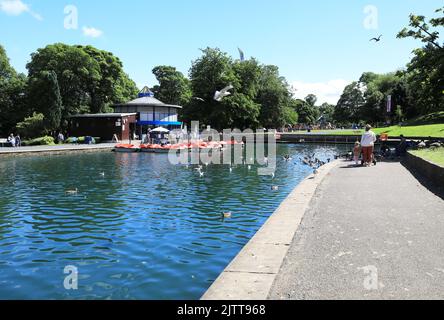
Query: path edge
{"points": [[251, 275]]}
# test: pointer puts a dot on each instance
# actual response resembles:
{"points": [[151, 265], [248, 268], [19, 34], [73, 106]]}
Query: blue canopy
{"points": [[159, 123]]}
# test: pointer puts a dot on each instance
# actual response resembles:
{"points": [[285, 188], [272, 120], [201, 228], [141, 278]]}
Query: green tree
{"points": [[239, 111], [89, 79], [291, 116], [425, 77], [33, 126], [274, 97], [349, 105], [113, 85], [211, 72], [12, 95], [45, 96], [249, 75], [174, 88], [377, 90], [399, 115], [307, 110], [327, 111]]}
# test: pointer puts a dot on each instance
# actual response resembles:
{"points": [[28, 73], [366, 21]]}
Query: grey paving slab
{"points": [[369, 233]]}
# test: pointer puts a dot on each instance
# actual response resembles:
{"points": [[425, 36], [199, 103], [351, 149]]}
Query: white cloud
{"points": [[16, 8], [329, 91], [92, 32]]}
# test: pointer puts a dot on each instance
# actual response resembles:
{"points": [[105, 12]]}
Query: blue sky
{"points": [[319, 45]]}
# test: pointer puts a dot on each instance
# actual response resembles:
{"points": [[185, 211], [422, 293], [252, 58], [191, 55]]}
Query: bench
{"points": [[4, 143]]}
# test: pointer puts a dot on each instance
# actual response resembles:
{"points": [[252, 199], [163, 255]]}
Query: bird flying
{"points": [[199, 99], [376, 39], [219, 95], [241, 55]]}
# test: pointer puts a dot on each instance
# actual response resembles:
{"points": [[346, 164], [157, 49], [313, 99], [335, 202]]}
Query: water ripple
{"points": [[144, 230]]}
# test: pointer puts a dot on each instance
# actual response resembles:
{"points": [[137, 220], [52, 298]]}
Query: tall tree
{"points": [[377, 89], [46, 99], [211, 72], [327, 111], [174, 88], [113, 85], [12, 95], [425, 76], [307, 110], [75, 70], [349, 105], [274, 97], [89, 79]]}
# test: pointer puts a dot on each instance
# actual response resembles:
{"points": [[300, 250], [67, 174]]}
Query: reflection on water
{"points": [[144, 230]]}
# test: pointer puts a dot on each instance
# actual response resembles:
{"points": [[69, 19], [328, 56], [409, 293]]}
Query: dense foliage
{"points": [[260, 96], [417, 90], [62, 80], [12, 95]]}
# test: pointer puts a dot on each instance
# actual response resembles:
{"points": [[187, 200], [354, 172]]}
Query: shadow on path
{"points": [[437, 190]]}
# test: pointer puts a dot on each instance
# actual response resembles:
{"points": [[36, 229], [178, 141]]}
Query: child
{"points": [[357, 152]]}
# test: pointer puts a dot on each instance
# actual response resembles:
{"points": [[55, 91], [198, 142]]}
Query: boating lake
{"points": [[144, 230]]}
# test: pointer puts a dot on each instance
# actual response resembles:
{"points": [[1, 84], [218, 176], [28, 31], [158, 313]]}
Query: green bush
{"points": [[71, 140], [81, 140], [32, 127], [43, 141]]}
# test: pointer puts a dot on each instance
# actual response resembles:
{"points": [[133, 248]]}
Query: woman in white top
{"points": [[368, 145]]}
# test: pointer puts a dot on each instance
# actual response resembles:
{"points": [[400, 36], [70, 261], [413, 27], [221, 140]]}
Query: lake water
{"points": [[144, 230]]}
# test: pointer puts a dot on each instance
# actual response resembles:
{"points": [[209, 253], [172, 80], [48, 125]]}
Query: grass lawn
{"points": [[436, 156], [431, 125], [431, 130]]}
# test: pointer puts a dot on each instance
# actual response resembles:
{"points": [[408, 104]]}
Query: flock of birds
{"points": [[314, 163], [310, 161]]}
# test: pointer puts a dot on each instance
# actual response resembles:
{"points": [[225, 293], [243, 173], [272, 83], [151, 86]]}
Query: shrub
{"points": [[32, 127], [71, 140], [81, 140], [43, 141]]}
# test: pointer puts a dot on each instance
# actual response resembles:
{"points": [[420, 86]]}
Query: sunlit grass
{"points": [[433, 155], [433, 130]]}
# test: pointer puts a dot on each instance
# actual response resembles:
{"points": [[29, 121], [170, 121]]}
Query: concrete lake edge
{"points": [[250, 276], [54, 150], [433, 172]]}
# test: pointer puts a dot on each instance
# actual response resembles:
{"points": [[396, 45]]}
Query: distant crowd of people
{"points": [[15, 141], [309, 128]]}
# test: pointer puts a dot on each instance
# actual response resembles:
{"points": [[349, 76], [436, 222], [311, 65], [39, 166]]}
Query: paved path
{"points": [[57, 148], [370, 233]]}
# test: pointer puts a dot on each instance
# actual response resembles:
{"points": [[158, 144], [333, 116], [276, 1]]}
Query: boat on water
{"points": [[126, 148], [157, 148], [166, 148]]}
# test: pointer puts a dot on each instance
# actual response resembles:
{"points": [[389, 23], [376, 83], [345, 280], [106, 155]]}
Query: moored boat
{"points": [[157, 148], [127, 148]]}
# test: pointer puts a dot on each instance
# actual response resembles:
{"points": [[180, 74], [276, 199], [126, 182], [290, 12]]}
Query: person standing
{"points": [[60, 138], [11, 140], [368, 145], [18, 141], [357, 152]]}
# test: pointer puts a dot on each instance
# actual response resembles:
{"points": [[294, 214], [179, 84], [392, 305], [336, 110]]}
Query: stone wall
{"points": [[430, 171]]}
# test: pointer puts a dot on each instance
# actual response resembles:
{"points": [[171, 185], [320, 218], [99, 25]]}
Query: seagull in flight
{"points": [[219, 95], [199, 99], [241, 55], [376, 39]]}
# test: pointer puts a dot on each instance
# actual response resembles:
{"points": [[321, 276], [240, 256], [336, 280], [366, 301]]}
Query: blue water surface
{"points": [[139, 227]]}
